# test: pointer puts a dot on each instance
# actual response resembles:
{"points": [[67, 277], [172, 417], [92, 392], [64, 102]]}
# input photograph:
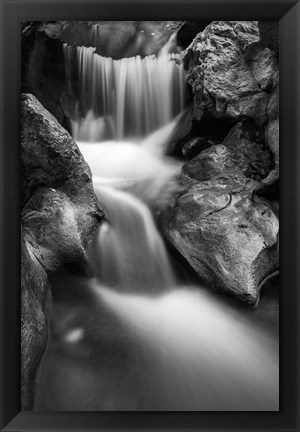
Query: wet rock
{"points": [[230, 71], [264, 67], [227, 234], [53, 225], [253, 106], [51, 158], [209, 163], [60, 212], [35, 290]]}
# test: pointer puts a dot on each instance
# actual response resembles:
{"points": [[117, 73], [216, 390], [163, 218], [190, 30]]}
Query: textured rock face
{"points": [[35, 289], [52, 224], [221, 222], [225, 231], [51, 158], [59, 214], [230, 73], [227, 234]]}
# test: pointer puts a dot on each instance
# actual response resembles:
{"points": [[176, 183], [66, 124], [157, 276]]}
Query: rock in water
{"points": [[51, 158], [59, 214], [218, 223], [227, 234]]}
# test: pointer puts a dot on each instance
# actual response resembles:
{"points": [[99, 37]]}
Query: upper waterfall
{"points": [[127, 98]]}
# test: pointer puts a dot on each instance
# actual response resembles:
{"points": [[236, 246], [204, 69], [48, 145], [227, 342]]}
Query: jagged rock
{"points": [[252, 106], [60, 212], [35, 290], [227, 234], [209, 163], [264, 67], [226, 80]]}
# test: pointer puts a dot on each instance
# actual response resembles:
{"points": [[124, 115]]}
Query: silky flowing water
{"points": [[142, 334]]}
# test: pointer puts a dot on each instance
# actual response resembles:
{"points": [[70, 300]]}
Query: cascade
{"points": [[132, 254], [151, 344], [126, 98]]}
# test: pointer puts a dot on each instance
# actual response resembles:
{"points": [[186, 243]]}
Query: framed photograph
{"points": [[142, 284]]}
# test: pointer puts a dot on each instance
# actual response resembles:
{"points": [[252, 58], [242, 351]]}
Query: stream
{"points": [[143, 333]]}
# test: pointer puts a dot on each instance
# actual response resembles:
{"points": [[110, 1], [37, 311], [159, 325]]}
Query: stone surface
{"points": [[227, 234], [52, 224], [209, 163], [59, 214], [35, 290], [264, 67], [51, 158], [220, 222], [230, 72]]}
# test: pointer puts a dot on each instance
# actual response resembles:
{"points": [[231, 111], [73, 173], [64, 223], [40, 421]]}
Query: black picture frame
{"points": [[288, 13]]}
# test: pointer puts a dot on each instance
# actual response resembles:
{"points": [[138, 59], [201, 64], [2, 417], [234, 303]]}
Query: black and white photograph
{"points": [[149, 216]]}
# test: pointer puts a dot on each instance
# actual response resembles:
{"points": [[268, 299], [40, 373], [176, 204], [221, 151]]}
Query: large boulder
{"points": [[225, 232], [60, 213], [230, 72], [51, 158]]}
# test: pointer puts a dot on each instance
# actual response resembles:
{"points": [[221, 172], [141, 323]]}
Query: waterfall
{"points": [[132, 254], [140, 340], [126, 98]]}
